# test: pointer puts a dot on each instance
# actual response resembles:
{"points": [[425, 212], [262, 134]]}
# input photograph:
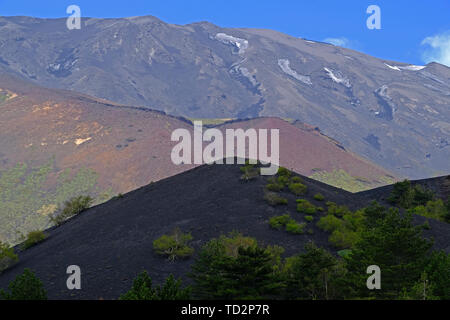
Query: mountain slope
{"points": [[395, 114], [308, 152], [112, 242], [59, 144]]}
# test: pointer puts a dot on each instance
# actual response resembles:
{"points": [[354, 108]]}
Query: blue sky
{"points": [[413, 31]]}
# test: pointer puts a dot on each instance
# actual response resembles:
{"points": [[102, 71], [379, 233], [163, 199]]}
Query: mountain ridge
{"points": [[392, 113]]}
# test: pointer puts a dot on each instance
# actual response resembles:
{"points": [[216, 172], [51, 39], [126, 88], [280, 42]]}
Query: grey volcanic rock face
{"points": [[395, 114]]}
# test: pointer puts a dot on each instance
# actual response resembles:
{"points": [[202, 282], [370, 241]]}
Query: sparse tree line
{"points": [[238, 267]]}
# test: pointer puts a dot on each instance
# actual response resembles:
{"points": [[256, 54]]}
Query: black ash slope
{"points": [[112, 242]]}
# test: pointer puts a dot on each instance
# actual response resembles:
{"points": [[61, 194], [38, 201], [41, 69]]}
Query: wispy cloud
{"points": [[438, 48], [341, 42]]}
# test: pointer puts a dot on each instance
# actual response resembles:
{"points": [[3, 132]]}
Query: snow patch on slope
{"points": [[410, 67], [239, 43], [284, 65], [392, 67], [338, 78], [413, 67]]}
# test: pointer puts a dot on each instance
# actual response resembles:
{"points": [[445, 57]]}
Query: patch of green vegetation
{"points": [[297, 188], [295, 227], [72, 208], [319, 197], [343, 180], [435, 209], [278, 222], [292, 226], [3, 97], [309, 218], [344, 253], [142, 289], [284, 179], [26, 201], [314, 274], [296, 179], [337, 210], [253, 272], [275, 187], [249, 172], [304, 206], [283, 172], [174, 246], [420, 201], [344, 226], [7, 256], [407, 195], [25, 287], [33, 238], [274, 199]]}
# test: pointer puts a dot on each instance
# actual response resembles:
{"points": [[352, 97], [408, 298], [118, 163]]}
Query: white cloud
{"points": [[341, 42], [439, 50]]}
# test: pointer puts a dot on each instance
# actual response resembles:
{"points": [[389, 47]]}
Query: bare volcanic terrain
{"points": [[57, 144], [112, 242], [395, 114]]}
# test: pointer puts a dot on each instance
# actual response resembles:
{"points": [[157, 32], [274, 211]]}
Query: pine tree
{"points": [[248, 275], [314, 275], [397, 247], [142, 289], [25, 287]]}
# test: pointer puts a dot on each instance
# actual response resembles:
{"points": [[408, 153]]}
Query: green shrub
{"points": [[279, 222], [344, 253], [309, 218], [142, 290], [319, 197], [7, 256], [174, 246], [283, 180], [338, 211], [253, 273], [314, 274], [72, 207], [34, 237], [296, 179], [286, 221], [329, 223], [435, 209], [282, 171], [249, 172], [407, 195], [234, 241], [275, 187], [343, 238], [274, 199], [304, 206], [296, 228], [25, 287], [297, 188]]}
